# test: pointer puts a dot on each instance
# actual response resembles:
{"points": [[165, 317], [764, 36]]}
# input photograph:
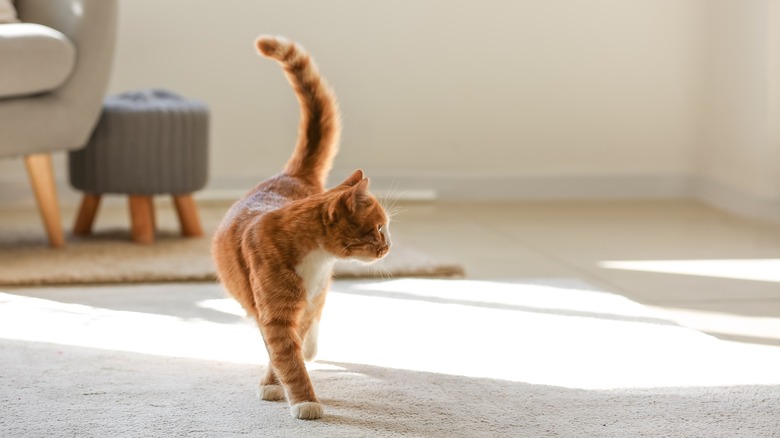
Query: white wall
{"points": [[512, 99], [738, 157], [436, 87]]}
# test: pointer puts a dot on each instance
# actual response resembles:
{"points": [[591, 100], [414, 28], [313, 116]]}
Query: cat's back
{"points": [[268, 196]]}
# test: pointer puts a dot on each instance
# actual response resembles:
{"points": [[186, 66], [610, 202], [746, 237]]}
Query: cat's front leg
{"points": [[284, 347]]}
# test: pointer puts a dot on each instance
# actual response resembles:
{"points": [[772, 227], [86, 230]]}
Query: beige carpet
{"points": [[398, 358], [110, 257]]}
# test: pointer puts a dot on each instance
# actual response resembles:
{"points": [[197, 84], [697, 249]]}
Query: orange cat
{"points": [[276, 247]]}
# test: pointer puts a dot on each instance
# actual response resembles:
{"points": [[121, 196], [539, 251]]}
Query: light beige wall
{"points": [[554, 87], [740, 147], [560, 90], [738, 156]]}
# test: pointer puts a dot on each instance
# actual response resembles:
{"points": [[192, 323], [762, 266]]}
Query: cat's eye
{"points": [[379, 228]]}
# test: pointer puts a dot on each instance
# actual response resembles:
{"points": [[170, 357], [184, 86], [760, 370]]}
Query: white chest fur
{"points": [[315, 271]]}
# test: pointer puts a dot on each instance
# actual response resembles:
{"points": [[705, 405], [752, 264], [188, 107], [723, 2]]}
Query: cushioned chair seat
{"points": [[52, 84], [35, 59]]}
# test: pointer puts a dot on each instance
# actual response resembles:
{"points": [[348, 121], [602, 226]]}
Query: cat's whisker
{"points": [[394, 200], [386, 274], [397, 211], [391, 198], [376, 272]]}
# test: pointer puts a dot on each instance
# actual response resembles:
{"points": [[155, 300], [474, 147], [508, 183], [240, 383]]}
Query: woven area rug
{"points": [[111, 257]]}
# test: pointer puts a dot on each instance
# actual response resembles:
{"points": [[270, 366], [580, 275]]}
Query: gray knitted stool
{"points": [[146, 143]]}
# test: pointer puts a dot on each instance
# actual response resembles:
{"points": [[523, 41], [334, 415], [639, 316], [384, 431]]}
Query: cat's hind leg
{"points": [[270, 388], [310, 340], [310, 325]]}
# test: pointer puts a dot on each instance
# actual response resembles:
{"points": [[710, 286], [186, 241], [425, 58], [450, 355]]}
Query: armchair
{"points": [[53, 77]]}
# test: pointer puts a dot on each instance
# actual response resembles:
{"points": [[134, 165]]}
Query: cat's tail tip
{"points": [[273, 46]]}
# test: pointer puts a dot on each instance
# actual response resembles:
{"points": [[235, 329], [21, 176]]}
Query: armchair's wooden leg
{"points": [[142, 218], [87, 212], [188, 216], [41, 175]]}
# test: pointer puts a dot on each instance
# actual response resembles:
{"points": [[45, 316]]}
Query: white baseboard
{"points": [[497, 187], [507, 187], [736, 201]]}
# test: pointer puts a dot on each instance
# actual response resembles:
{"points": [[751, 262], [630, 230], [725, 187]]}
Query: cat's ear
{"points": [[346, 196], [356, 194], [353, 179], [362, 185], [332, 214]]}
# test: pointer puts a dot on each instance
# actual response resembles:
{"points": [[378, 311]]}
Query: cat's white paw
{"points": [[271, 392], [306, 411]]}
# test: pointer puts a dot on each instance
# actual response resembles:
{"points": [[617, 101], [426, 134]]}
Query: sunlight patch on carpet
{"points": [[550, 334], [737, 269], [40, 320]]}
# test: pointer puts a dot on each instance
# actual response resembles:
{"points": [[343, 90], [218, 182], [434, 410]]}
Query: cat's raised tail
{"points": [[320, 127]]}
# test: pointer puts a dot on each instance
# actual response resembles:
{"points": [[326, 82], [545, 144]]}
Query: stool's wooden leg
{"points": [[154, 213], [41, 174], [86, 217], [188, 216], [142, 218]]}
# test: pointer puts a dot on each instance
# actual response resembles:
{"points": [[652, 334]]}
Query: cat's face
{"points": [[358, 227]]}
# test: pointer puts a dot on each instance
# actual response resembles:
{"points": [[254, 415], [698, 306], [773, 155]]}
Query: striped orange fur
{"points": [[275, 248], [318, 134]]}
